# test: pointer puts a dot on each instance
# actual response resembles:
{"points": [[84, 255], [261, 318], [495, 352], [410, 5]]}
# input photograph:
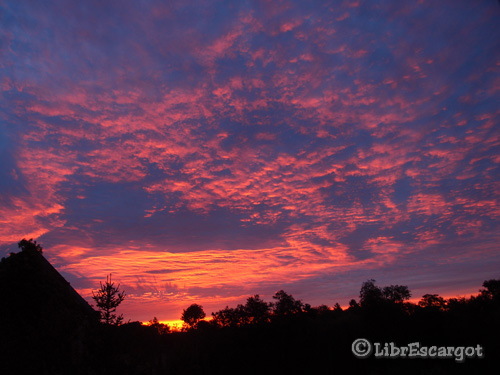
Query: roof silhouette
{"points": [[29, 282], [44, 322]]}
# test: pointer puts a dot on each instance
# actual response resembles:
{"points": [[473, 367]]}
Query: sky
{"points": [[206, 151]]}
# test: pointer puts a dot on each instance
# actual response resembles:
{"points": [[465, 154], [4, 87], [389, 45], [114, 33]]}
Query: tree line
{"points": [[295, 337], [255, 311]]}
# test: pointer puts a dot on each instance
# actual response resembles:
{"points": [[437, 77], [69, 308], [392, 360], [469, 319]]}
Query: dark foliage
{"points": [[286, 305], [29, 245], [192, 315], [161, 328]]}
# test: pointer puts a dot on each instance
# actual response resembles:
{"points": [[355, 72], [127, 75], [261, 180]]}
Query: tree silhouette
{"points": [[192, 315], [492, 289], [29, 245], [108, 298], [370, 294], [322, 309], [230, 317], [254, 311], [257, 310], [353, 305], [161, 328], [285, 304], [432, 301], [396, 293]]}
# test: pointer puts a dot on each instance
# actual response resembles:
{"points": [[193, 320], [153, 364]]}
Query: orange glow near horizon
{"points": [[162, 284]]}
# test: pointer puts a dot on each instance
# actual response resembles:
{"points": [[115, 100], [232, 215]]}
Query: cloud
{"points": [[222, 148]]}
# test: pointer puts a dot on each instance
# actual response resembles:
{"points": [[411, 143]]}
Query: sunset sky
{"points": [[206, 151]]}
